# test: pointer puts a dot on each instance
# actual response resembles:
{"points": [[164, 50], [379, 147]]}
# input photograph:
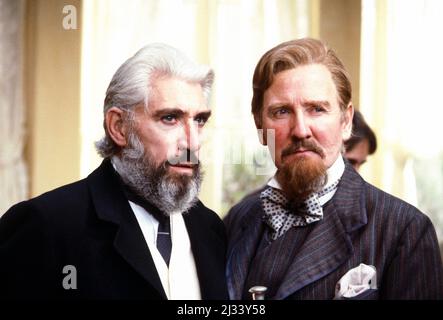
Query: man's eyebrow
{"points": [[180, 113], [323, 103], [276, 105], [203, 114], [166, 111]]}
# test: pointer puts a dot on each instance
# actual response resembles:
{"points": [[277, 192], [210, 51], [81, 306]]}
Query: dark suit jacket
{"points": [[361, 224], [90, 225]]}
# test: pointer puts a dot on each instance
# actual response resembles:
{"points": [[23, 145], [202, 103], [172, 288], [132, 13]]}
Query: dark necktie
{"points": [[164, 243]]}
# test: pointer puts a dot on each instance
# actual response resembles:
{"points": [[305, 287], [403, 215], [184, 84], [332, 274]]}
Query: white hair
{"points": [[131, 83]]}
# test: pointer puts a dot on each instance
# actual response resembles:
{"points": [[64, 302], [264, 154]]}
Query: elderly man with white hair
{"points": [[134, 228]]}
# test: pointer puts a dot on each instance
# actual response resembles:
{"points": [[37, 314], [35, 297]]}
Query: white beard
{"points": [[169, 194]]}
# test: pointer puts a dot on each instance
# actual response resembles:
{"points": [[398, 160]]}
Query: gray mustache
{"points": [[187, 156]]}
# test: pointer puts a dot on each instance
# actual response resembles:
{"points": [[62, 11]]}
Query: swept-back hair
{"points": [[294, 53], [131, 84]]}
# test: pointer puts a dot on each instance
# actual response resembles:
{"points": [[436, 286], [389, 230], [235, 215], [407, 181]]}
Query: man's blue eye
{"points": [[169, 118], [281, 112], [201, 120]]}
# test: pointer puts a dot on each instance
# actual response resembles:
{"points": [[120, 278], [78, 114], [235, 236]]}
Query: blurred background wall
{"points": [[60, 56]]}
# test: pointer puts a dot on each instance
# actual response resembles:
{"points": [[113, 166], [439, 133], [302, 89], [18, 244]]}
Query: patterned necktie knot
{"points": [[281, 215]]}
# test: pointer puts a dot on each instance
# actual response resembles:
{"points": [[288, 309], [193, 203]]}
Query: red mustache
{"points": [[306, 145]]}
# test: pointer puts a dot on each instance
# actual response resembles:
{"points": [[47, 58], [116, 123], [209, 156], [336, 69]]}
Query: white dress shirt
{"points": [[180, 280]]}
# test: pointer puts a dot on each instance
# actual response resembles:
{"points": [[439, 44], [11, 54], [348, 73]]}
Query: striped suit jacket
{"points": [[361, 224]]}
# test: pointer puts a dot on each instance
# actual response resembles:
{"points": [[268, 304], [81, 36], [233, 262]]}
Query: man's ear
{"points": [[347, 122], [260, 131], [116, 127]]}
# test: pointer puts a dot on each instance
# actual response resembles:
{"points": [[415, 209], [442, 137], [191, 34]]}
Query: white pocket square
{"points": [[356, 281]]}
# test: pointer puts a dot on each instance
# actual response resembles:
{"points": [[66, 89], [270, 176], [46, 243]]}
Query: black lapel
{"points": [[112, 206], [208, 243]]}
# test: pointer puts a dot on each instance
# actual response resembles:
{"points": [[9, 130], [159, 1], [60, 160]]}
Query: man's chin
{"points": [[301, 174]]}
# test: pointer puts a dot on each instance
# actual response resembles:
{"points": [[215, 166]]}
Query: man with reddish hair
{"points": [[317, 230]]}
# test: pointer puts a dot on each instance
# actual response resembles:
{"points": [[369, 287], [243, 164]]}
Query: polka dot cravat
{"points": [[280, 215]]}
